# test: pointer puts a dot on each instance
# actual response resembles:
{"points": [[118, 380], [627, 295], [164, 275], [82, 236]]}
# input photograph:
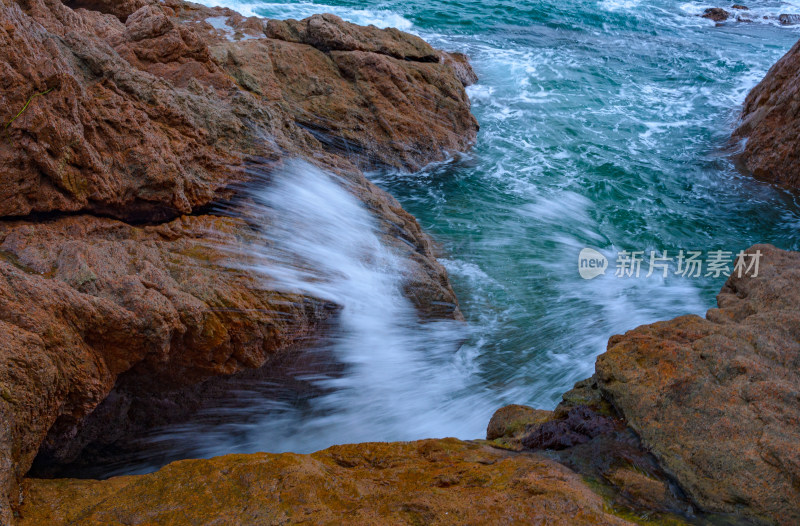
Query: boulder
{"points": [[695, 418], [717, 399], [157, 116], [84, 300]]}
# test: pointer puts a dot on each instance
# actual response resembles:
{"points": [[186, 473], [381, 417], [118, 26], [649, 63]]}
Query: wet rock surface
{"points": [[717, 14]]}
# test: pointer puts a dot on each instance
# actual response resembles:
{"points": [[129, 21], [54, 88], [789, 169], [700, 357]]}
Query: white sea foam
{"points": [[300, 10]]}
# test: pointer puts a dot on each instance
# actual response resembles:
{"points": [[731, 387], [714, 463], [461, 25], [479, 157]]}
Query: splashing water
{"points": [[402, 378]]}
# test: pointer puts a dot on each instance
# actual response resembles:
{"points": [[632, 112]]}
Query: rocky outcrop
{"points": [[770, 119], [427, 482], [717, 14], [154, 117], [124, 123], [87, 299], [706, 408]]}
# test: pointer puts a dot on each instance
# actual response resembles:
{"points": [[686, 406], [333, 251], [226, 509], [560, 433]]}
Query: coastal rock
{"points": [[717, 14], [84, 300], [789, 19], [769, 123], [157, 116], [513, 420], [695, 416], [426, 482], [328, 32], [717, 399]]}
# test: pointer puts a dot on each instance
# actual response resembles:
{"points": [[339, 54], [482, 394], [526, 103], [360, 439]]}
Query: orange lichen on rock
{"points": [[443, 481]]}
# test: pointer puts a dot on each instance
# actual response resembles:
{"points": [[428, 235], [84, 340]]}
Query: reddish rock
{"points": [[716, 400], [154, 117], [770, 120], [84, 300]]}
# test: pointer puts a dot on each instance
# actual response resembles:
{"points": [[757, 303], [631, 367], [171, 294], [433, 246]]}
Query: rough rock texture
{"points": [[586, 434], [696, 414], [427, 482], [83, 300], [154, 117], [717, 400], [511, 421], [119, 120], [770, 120]]}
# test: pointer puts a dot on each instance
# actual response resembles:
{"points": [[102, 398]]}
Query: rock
{"points": [[580, 425], [328, 32], [717, 14], [769, 123], [695, 419], [89, 299], [740, 7], [399, 77], [717, 400], [509, 423], [461, 67], [426, 482], [789, 20], [157, 116]]}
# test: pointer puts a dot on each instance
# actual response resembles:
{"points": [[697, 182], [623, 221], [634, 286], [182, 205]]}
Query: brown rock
{"points": [[154, 117], [364, 101], [509, 423], [427, 482], [459, 62], [88, 299], [328, 32], [717, 14], [717, 400], [770, 121], [789, 19]]}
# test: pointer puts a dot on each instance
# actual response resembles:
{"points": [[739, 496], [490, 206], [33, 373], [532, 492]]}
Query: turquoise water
{"points": [[604, 125]]}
